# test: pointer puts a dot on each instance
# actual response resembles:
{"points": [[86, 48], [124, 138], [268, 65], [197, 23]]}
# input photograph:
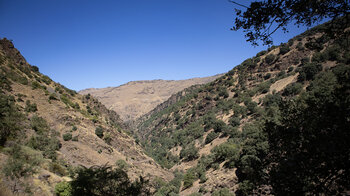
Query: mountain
{"points": [[275, 124], [47, 132], [137, 98]]}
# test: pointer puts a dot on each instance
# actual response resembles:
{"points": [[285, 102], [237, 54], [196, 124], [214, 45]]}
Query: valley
{"points": [[276, 124]]}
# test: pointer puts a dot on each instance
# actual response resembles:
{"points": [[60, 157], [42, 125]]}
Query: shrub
{"points": [[67, 136], [74, 128], [292, 89], [300, 46], [210, 137], [189, 153], [189, 178], [30, 107], [57, 168], [23, 80], [53, 96], [235, 121], [39, 124], [35, 68], [99, 131], [104, 180], [46, 79], [225, 151], [270, 58], [261, 53], [120, 163], [22, 162], [284, 49], [63, 189], [309, 71], [36, 85], [267, 76]]}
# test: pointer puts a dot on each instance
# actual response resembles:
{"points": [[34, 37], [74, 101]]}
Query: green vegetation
{"points": [[269, 59], [120, 163], [99, 131], [22, 162], [30, 107], [9, 118], [67, 136], [103, 180], [189, 153], [63, 189]]}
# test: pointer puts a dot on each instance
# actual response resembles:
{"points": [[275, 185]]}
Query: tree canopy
{"points": [[263, 18]]}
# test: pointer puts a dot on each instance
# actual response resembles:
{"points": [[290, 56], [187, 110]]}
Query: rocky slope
{"points": [[59, 128], [137, 98]]}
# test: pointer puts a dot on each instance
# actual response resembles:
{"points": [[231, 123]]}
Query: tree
{"points": [[105, 181], [309, 147], [263, 18]]}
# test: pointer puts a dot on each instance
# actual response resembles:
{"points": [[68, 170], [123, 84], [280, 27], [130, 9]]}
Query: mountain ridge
{"points": [[136, 98]]}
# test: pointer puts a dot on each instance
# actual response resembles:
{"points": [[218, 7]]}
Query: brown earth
{"points": [[137, 98]]}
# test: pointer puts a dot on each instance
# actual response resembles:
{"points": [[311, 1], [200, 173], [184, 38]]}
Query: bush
{"points": [[225, 151], [39, 124], [189, 178], [67, 136], [53, 96], [46, 79], [235, 121], [189, 153], [103, 180], [36, 85], [63, 189], [300, 46], [22, 162], [35, 68], [270, 58], [210, 137], [308, 71], [99, 131], [120, 163], [292, 89], [267, 76], [30, 107], [284, 49], [57, 168]]}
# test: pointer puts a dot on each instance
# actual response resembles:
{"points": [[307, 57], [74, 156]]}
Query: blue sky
{"points": [[90, 43]]}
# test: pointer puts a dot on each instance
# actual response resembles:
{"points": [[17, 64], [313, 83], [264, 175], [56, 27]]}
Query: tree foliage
{"points": [[309, 148], [105, 181], [263, 18]]}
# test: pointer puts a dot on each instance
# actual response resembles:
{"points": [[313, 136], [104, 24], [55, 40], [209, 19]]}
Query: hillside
{"points": [[137, 98], [48, 131], [276, 124]]}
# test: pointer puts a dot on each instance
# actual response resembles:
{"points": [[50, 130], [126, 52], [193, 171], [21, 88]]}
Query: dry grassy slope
{"points": [[89, 150], [162, 118], [137, 98]]}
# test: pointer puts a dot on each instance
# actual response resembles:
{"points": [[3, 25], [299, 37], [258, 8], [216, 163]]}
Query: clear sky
{"points": [[90, 43]]}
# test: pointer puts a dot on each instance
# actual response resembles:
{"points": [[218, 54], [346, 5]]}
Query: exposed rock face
{"points": [[137, 98]]}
